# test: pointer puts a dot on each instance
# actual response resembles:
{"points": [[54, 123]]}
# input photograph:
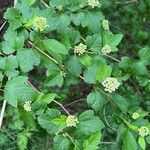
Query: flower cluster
{"points": [[80, 49], [40, 23], [106, 50], [27, 106], [93, 3], [72, 121], [135, 115], [143, 131], [60, 8], [105, 24], [110, 84], [62, 73]]}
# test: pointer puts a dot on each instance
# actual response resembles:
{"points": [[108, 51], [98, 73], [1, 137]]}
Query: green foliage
{"points": [[58, 61]]}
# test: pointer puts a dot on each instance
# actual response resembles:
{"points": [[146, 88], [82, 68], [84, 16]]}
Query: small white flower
{"points": [[105, 24], [111, 84], [40, 23], [143, 131], [135, 115], [60, 7], [27, 106], [72, 121], [80, 49], [106, 49], [94, 3], [62, 73]]}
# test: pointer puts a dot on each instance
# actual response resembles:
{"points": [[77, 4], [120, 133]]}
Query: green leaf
{"points": [[92, 20], [103, 72], [14, 17], [142, 142], [30, 2], [53, 46], [13, 42], [129, 141], [17, 89], [90, 74], [61, 143], [27, 59], [93, 142], [74, 66], [70, 37], [22, 140], [144, 55], [96, 100], [9, 65], [89, 123], [54, 80], [45, 121], [85, 60], [120, 102], [61, 121], [94, 42]]}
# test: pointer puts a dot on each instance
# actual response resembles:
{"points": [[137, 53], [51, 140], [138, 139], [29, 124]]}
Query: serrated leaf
{"points": [[142, 142], [96, 100], [103, 72], [53, 46], [27, 59], [94, 42], [120, 102], [90, 74], [93, 142], [74, 66], [129, 141], [17, 89], [89, 123], [45, 121], [61, 143]]}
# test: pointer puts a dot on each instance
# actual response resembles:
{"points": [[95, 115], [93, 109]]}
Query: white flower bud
{"points": [[143, 131], [60, 7], [40, 23], [80, 49], [94, 3], [27, 106], [135, 115], [111, 84], [105, 24], [106, 50], [72, 121]]}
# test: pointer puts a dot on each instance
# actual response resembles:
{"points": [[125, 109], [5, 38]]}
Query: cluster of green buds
{"points": [[110, 84], [27, 106], [106, 50], [80, 49], [40, 23], [71, 121], [94, 3], [105, 24], [143, 131], [135, 115]]}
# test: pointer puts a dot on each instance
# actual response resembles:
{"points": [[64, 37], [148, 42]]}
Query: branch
{"points": [[2, 26], [62, 107]]}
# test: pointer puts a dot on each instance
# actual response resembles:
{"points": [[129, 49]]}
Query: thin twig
{"points": [[2, 26], [104, 114], [2, 113], [43, 52], [62, 107], [108, 143], [79, 100], [117, 60]]}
